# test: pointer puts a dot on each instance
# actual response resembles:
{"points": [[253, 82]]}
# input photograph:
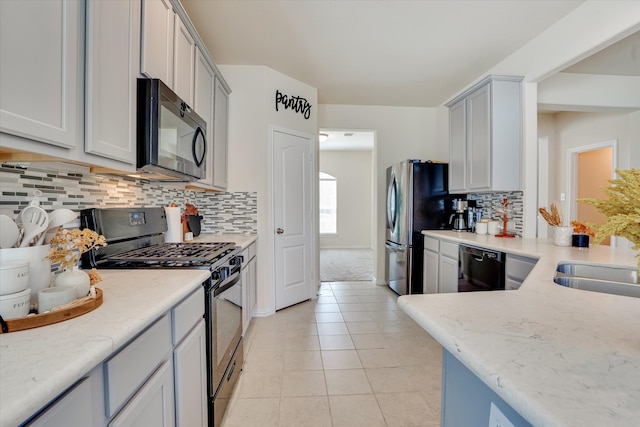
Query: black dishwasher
{"points": [[480, 269]]}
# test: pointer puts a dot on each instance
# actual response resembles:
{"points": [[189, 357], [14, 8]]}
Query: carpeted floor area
{"points": [[346, 265]]}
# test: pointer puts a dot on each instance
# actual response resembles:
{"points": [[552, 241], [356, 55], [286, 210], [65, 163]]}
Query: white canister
{"points": [[492, 227], [39, 265], [481, 227], [14, 306], [53, 297], [562, 236]]}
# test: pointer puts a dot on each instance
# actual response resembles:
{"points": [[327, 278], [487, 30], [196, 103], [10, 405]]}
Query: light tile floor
{"points": [[349, 358]]}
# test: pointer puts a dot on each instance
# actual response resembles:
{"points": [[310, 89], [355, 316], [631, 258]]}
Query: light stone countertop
{"points": [[558, 356], [36, 365], [241, 240]]}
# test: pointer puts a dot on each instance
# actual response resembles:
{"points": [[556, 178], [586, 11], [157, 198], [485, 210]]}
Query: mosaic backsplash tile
{"points": [[492, 202], [223, 212]]}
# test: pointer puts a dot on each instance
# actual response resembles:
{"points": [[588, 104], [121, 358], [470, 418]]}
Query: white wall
{"points": [[401, 133], [353, 171], [251, 115]]}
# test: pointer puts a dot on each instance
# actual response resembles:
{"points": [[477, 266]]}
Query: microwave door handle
{"points": [[194, 142]]}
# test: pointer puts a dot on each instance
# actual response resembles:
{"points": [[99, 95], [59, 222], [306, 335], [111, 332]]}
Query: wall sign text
{"points": [[296, 103]]}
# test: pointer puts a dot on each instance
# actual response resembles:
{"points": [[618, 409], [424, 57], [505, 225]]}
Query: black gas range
{"points": [[135, 240]]}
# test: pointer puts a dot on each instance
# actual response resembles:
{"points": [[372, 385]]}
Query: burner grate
{"points": [[175, 252]]}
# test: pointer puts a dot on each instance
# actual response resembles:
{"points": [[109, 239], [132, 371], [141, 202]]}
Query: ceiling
{"points": [[387, 52]]}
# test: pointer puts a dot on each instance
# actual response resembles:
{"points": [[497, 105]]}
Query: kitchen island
{"points": [[558, 356]]}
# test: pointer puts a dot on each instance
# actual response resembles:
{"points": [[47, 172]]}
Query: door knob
{"points": [[279, 230]]}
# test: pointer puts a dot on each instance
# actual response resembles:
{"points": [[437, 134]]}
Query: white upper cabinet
{"points": [[41, 80], [220, 135], [112, 69], [203, 105], [485, 137], [158, 26], [183, 62]]}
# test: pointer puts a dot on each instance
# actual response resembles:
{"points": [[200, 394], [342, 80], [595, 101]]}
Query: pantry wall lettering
{"points": [[296, 103]]}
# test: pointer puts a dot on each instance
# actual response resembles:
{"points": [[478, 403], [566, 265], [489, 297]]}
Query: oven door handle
{"points": [[236, 278]]}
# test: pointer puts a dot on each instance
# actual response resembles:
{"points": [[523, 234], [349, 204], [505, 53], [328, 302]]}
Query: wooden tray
{"points": [[35, 321]]}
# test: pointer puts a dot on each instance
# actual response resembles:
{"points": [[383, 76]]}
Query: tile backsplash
{"points": [[492, 202], [223, 212]]}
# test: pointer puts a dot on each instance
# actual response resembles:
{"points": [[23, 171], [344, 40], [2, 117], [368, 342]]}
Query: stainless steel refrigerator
{"points": [[417, 199]]}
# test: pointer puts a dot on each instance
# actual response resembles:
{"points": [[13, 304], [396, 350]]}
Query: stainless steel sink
{"points": [[599, 278]]}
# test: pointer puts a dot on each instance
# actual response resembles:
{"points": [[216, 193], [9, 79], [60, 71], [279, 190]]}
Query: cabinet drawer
{"points": [[518, 267], [449, 249], [187, 313], [431, 244], [511, 284], [129, 369]]}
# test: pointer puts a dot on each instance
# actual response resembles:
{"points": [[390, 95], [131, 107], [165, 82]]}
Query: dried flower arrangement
{"points": [[581, 228], [68, 245], [553, 218], [622, 208]]}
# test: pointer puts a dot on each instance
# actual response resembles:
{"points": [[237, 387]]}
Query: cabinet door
{"points": [[156, 56], [253, 286], [246, 313], [457, 147], [448, 275], [184, 51], [203, 105], [430, 272], [42, 64], [73, 408], [152, 405], [220, 136], [191, 379], [113, 55], [479, 139]]}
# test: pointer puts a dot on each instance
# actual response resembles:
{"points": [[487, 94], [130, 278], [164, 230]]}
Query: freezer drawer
{"points": [[398, 268]]}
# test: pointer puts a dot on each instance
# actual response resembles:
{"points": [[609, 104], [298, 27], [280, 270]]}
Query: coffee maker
{"points": [[458, 219]]}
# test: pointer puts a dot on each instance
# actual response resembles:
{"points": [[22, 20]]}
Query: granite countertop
{"points": [[558, 356], [36, 365]]}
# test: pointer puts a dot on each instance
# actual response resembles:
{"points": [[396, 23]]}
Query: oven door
{"points": [[225, 304]]}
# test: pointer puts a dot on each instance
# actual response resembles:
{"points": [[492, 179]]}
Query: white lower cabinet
{"points": [[517, 269], [249, 285], [190, 372], [431, 271], [153, 404], [158, 379], [73, 408], [448, 267]]}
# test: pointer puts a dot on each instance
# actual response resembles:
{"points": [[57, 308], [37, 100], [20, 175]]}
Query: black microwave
{"points": [[172, 142]]}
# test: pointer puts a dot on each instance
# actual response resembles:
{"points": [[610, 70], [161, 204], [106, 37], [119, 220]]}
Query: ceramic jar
{"points": [[562, 235], [75, 278]]}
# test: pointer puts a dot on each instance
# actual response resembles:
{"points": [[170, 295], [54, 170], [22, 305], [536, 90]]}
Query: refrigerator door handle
{"points": [[395, 246]]}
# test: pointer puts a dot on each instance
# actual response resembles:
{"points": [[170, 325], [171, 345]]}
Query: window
{"points": [[328, 204]]}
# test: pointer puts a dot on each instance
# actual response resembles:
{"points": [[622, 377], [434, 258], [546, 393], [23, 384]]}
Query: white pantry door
{"points": [[293, 219]]}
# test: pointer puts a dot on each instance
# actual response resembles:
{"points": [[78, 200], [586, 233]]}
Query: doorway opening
{"points": [[590, 169], [346, 203]]}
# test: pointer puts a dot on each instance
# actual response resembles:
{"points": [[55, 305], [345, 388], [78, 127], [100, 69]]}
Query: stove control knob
{"points": [[236, 260], [221, 273]]}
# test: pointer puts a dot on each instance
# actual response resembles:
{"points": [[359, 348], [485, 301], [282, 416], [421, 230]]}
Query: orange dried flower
{"points": [[580, 228]]}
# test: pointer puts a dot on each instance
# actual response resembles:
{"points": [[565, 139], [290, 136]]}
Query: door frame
{"points": [[271, 226], [572, 172]]}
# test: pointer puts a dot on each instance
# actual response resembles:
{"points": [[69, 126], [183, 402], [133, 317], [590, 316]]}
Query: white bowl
{"points": [[39, 265], [14, 277], [53, 297], [16, 305]]}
